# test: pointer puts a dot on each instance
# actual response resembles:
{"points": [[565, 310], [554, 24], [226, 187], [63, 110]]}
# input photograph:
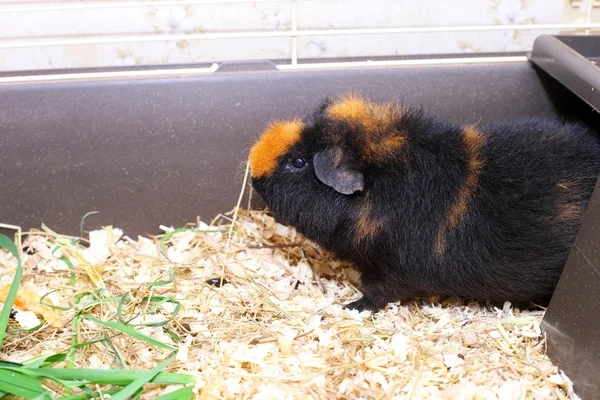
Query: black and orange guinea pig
{"points": [[423, 206]]}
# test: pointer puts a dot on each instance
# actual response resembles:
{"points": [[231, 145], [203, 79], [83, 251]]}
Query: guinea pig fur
{"points": [[423, 206]]}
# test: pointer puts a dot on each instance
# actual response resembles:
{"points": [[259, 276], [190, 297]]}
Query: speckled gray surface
{"points": [[161, 151], [566, 59]]}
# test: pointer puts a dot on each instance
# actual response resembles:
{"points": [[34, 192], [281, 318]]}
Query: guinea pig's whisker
{"points": [[234, 219]]}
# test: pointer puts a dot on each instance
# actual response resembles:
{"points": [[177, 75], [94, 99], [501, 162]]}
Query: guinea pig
{"points": [[423, 206]]}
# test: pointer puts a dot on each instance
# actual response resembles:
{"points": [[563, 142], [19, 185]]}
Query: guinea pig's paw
{"points": [[362, 304]]}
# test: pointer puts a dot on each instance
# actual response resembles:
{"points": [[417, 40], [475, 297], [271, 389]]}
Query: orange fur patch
{"points": [[440, 243], [473, 141], [569, 210], [378, 122], [366, 225], [275, 141]]}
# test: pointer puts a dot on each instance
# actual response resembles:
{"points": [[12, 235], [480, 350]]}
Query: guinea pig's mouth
{"points": [[257, 190], [256, 185]]}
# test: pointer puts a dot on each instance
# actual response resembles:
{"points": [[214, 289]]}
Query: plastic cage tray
{"points": [[144, 150], [572, 321]]}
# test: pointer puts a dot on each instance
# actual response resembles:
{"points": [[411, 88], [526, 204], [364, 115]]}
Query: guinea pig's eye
{"points": [[298, 163]]}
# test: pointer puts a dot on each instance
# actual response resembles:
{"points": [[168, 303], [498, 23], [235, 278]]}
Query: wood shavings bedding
{"points": [[273, 329]]}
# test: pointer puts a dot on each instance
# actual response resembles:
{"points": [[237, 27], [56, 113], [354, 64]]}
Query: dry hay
{"points": [[275, 329]]}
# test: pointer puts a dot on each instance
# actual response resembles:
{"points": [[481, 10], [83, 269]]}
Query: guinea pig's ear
{"points": [[334, 169]]}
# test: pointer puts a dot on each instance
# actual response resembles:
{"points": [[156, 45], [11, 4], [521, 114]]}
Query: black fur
{"points": [[513, 240]]}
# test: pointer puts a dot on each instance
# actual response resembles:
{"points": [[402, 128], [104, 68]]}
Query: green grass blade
{"points": [[131, 332], [52, 305], [68, 262], [20, 385], [163, 283], [32, 374], [158, 300], [87, 300], [9, 364], [28, 331], [173, 335], [118, 356], [23, 380], [71, 268], [83, 220], [45, 396], [74, 338], [138, 394], [6, 243], [87, 396], [185, 393], [20, 392], [167, 235], [37, 362], [105, 377], [139, 383], [162, 241]]}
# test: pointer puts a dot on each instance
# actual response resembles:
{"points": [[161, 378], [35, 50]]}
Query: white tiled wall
{"points": [[29, 29]]}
